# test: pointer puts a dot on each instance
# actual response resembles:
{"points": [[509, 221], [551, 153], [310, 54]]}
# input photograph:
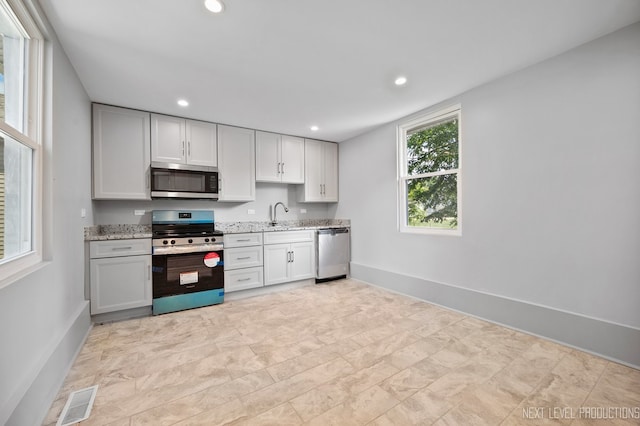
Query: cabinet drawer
{"points": [[242, 257], [242, 240], [279, 237], [242, 279], [117, 248]]}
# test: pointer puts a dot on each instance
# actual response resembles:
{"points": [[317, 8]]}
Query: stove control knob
{"points": [[206, 240], [190, 240], [165, 242], [173, 241], [213, 239]]}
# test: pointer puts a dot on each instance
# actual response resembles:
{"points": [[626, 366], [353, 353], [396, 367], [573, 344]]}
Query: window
{"points": [[20, 152], [429, 173]]}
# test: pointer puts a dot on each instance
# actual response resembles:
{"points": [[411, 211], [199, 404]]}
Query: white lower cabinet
{"points": [[243, 261], [288, 256], [243, 279], [120, 275]]}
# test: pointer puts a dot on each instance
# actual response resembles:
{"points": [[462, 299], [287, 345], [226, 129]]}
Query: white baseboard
{"points": [[32, 405], [616, 342]]}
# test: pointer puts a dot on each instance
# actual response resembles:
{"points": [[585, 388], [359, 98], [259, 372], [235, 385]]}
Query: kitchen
{"points": [[558, 266]]}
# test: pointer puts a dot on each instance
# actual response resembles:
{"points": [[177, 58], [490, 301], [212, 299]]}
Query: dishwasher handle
{"points": [[333, 231]]}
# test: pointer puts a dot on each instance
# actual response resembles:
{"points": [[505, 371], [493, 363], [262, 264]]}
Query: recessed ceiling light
{"points": [[314, 128], [183, 102], [215, 6], [401, 81]]}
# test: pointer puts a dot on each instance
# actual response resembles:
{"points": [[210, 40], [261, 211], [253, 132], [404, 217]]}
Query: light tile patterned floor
{"points": [[343, 353]]}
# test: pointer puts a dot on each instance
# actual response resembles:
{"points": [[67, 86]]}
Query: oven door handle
{"points": [[159, 251]]}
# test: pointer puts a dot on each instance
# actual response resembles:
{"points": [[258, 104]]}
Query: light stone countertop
{"points": [[282, 225], [116, 232], [123, 232]]}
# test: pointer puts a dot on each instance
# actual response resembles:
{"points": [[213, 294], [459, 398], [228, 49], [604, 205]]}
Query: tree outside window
{"points": [[429, 173]]}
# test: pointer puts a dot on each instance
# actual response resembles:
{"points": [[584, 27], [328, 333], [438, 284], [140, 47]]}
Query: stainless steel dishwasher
{"points": [[333, 254]]}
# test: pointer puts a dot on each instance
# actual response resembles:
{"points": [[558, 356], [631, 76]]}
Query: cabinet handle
{"points": [[121, 248], [189, 149], [243, 258], [282, 168], [244, 279], [244, 240], [148, 272], [219, 185], [288, 257], [148, 178], [293, 256], [183, 148]]}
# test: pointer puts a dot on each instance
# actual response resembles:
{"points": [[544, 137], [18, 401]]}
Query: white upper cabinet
{"points": [[320, 171], [121, 153], [279, 158], [236, 164], [268, 157], [292, 159], [181, 141], [202, 143]]}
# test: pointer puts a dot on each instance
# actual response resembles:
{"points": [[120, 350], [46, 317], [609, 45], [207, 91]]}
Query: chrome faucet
{"points": [[273, 212]]}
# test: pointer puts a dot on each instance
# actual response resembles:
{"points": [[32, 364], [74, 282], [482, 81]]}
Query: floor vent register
{"points": [[78, 406]]}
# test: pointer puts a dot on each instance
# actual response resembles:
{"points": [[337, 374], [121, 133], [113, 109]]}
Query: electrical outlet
{"points": [[303, 211], [251, 211], [83, 212], [139, 212]]}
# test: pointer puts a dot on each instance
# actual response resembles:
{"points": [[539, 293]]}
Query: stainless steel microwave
{"points": [[170, 180]]}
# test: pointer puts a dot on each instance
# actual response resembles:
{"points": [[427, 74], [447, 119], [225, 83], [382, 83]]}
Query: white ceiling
{"points": [[284, 65]]}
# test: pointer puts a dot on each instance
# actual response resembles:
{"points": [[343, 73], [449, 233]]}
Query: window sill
{"points": [[431, 231], [12, 272]]}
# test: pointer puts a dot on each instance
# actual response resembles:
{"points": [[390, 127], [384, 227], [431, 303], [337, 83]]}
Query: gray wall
{"points": [[44, 316], [117, 212], [550, 195]]}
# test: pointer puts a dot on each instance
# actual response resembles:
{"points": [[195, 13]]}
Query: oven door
{"points": [[176, 274]]}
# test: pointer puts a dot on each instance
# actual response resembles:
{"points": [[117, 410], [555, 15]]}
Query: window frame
{"points": [[425, 120], [17, 267]]}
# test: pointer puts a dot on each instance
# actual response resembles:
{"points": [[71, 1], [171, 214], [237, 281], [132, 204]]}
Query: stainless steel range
{"points": [[188, 260]]}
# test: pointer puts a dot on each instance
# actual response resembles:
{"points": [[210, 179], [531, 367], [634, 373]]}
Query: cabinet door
{"points": [[268, 167], [292, 159], [167, 139], [303, 264], [121, 153], [237, 164], [330, 172], [313, 157], [202, 143], [120, 283], [276, 263]]}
